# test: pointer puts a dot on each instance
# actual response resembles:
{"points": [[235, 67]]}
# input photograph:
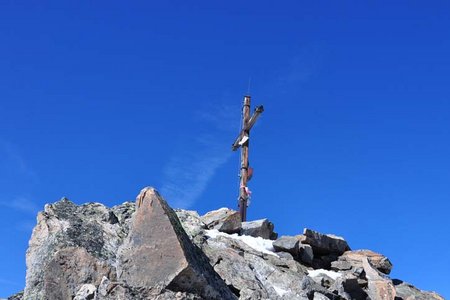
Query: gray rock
{"points": [[310, 288], [341, 265], [286, 260], [324, 280], [194, 227], [259, 228], [287, 244], [348, 287], [320, 296], [285, 255], [86, 292], [104, 287], [261, 276], [228, 262], [324, 244], [72, 245], [158, 254], [406, 291], [223, 219]]}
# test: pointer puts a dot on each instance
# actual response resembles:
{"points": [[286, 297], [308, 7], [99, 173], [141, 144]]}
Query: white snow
{"points": [[331, 274], [257, 243], [279, 291]]}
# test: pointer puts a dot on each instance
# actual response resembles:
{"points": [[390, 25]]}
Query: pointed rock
{"points": [[158, 254], [379, 287]]}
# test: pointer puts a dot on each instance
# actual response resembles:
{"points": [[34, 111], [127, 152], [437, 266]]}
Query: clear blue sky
{"points": [[101, 98]]}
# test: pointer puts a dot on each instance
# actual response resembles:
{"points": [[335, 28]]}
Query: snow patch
{"points": [[331, 274], [257, 243]]}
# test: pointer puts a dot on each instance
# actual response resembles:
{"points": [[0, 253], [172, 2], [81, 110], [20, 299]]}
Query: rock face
{"points": [[146, 250], [72, 245], [158, 253], [123, 252]]}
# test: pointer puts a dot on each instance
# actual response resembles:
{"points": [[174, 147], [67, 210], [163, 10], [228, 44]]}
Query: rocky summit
{"points": [[147, 250]]}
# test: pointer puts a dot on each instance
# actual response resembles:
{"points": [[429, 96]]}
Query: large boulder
{"points": [[324, 244], [259, 228], [352, 260], [223, 219], [73, 245], [287, 244], [158, 253]]}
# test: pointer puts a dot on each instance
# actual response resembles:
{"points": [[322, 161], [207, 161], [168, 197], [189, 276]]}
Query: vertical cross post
{"points": [[243, 196], [243, 141]]}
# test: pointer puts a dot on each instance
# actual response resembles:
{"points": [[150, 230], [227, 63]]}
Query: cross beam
{"points": [[242, 141]]}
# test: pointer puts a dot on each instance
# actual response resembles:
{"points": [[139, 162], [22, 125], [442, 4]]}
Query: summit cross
{"points": [[242, 141]]}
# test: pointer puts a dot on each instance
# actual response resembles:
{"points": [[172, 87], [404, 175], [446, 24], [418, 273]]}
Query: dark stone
{"points": [[259, 228], [323, 261], [305, 254], [324, 244], [18, 296], [86, 235], [65, 209], [352, 287], [287, 244], [112, 219]]}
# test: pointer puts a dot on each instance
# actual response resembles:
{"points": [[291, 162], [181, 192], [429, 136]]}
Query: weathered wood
{"points": [[243, 197], [243, 141], [258, 111]]}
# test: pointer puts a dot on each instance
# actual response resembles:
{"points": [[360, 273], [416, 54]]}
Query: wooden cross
{"points": [[243, 141]]}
